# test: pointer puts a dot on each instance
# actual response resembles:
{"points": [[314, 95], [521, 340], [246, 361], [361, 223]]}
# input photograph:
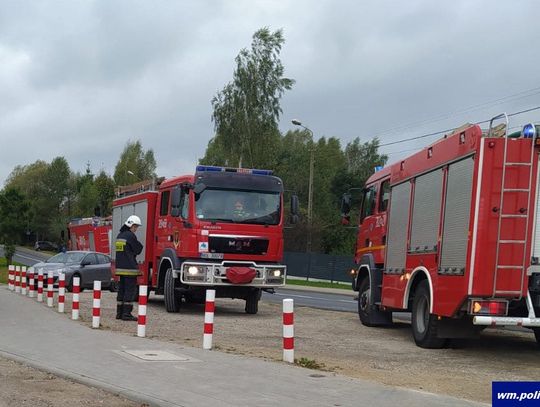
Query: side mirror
{"points": [[199, 187], [293, 218], [294, 205], [345, 209], [345, 204]]}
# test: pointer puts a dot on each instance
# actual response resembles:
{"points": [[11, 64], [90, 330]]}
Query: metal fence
{"points": [[319, 266]]}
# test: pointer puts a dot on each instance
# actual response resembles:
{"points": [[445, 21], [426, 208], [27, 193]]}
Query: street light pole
{"points": [[310, 187]]}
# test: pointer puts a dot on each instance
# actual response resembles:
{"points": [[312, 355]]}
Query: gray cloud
{"points": [[80, 79]]}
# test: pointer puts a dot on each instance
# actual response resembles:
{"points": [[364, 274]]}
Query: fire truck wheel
{"points": [[424, 324], [252, 301], [172, 300], [537, 335], [369, 316]]}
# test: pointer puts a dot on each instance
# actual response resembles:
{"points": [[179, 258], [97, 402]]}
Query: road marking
{"points": [[314, 298], [29, 258]]}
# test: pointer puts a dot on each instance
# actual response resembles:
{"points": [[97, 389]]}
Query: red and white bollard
{"points": [[11, 277], [31, 282], [18, 279], [61, 291], [209, 309], [40, 286], [96, 309], [50, 294], [23, 280], [76, 284], [141, 311], [288, 330]]}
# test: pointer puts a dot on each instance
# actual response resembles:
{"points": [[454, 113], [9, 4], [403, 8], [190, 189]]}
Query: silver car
{"points": [[88, 266]]}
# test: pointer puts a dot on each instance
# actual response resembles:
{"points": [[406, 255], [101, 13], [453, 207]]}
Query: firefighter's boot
{"points": [[126, 314], [119, 310]]}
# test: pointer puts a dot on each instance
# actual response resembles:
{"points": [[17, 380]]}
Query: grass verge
{"points": [[320, 284], [4, 270]]}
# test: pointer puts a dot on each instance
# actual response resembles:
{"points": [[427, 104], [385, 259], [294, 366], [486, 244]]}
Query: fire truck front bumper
{"points": [[508, 321], [215, 274]]}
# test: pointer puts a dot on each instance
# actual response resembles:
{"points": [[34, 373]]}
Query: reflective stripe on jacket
{"points": [[127, 247]]}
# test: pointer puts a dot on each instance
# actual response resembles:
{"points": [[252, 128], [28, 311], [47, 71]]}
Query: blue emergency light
{"points": [[378, 168], [529, 131], [211, 168]]}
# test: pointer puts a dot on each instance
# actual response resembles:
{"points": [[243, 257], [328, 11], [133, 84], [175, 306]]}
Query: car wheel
{"points": [[172, 300], [113, 286], [425, 325]]}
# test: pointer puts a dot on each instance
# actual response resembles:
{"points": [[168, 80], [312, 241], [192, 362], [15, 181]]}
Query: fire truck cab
{"points": [[220, 228], [451, 234]]}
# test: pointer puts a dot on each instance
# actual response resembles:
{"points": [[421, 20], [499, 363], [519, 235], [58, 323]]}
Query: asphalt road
{"points": [[335, 302], [27, 258]]}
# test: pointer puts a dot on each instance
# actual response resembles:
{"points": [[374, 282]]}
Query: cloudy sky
{"points": [[80, 78]]}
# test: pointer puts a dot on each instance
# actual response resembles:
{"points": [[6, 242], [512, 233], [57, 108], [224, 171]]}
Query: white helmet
{"points": [[133, 220]]}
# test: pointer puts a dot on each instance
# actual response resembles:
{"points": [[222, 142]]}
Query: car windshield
{"points": [[225, 205], [73, 257]]}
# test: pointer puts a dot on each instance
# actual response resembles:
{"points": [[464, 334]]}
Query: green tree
{"points": [[30, 181], [134, 164], [105, 193], [13, 218], [360, 162], [247, 109], [57, 191]]}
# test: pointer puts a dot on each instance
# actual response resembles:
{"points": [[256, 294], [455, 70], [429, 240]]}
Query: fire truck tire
{"points": [[172, 300], [369, 316], [537, 335], [425, 325], [252, 301]]}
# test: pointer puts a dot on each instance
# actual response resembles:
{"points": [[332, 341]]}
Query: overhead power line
{"points": [[483, 105], [449, 130]]}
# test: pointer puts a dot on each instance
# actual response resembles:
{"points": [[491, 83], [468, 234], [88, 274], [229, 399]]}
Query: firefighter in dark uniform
{"points": [[127, 248]]}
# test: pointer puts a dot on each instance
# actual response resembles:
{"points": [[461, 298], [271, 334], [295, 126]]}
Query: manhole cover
{"points": [[157, 355], [316, 375]]}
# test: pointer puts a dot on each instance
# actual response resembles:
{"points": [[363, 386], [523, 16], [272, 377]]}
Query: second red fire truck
{"points": [[219, 228], [452, 234], [90, 234]]}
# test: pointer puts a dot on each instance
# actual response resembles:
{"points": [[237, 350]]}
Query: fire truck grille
{"points": [[238, 245]]}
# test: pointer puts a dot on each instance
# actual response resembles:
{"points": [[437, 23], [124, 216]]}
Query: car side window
{"points": [[91, 258], [102, 259]]}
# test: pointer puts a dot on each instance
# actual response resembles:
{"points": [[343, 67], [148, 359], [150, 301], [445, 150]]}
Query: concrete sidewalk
{"points": [[35, 335]]}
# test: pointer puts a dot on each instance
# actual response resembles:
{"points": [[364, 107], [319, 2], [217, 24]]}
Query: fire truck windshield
{"points": [[236, 206]]}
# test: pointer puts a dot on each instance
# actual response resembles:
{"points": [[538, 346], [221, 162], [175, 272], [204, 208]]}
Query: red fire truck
{"points": [[90, 234], [452, 234], [220, 228]]}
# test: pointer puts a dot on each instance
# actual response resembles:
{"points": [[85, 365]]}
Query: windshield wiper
{"points": [[263, 220], [226, 220]]}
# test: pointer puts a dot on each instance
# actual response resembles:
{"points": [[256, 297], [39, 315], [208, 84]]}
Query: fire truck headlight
{"points": [[276, 273], [193, 270]]}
